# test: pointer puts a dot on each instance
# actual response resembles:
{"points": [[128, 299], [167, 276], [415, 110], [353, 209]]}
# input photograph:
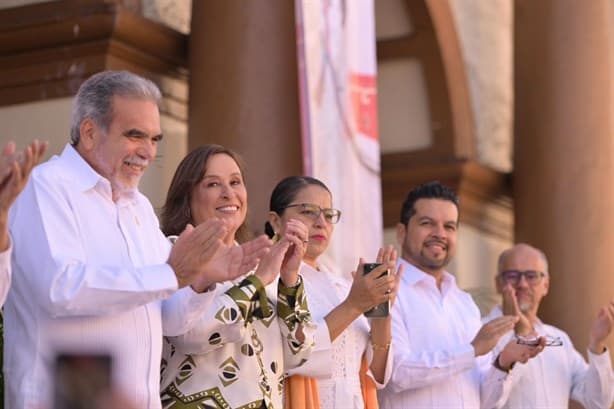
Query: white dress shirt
{"points": [[434, 362], [89, 275], [336, 365], [557, 374], [5, 273]]}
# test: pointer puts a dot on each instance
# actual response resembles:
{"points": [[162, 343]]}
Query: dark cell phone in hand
{"points": [[383, 309], [80, 379]]}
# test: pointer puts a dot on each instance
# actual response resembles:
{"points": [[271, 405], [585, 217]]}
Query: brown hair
{"points": [[176, 213]]}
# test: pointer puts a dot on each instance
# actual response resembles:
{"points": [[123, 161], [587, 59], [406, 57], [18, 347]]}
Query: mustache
{"points": [[436, 241], [136, 160]]}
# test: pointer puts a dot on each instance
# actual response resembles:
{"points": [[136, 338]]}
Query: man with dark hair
{"points": [[442, 352], [523, 280], [92, 267]]}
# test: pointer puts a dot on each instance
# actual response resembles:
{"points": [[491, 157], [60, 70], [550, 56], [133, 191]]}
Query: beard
{"points": [[425, 262], [526, 305], [435, 264]]}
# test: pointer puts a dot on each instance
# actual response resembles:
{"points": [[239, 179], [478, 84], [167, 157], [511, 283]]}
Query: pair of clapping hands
{"points": [[200, 257], [600, 331], [15, 169], [514, 351]]}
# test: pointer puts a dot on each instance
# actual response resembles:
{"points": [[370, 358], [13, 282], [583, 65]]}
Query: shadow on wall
{"points": [[485, 298]]}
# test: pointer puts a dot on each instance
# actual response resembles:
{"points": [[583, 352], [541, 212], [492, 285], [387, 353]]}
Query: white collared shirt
{"points": [[557, 374], [434, 362], [5, 273], [89, 274]]}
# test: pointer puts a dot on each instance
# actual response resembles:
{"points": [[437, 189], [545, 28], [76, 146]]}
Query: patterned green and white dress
{"points": [[237, 354]]}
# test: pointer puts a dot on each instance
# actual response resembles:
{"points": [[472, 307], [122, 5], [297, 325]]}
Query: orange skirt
{"points": [[301, 392]]}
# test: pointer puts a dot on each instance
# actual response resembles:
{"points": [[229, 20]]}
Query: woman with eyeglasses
{"points": [[256, 327], [345, 339]]}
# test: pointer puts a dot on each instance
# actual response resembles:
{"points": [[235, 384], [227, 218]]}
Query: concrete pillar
{"points": [[244, 89], [564, 153]]}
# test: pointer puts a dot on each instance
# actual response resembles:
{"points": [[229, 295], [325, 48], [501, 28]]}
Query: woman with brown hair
{"points": [[255, 329]]}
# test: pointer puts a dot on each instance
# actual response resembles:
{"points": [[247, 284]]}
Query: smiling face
{"points": [[523, 257], [320, 230], [125, 150], [428, 241], [221, 193]]}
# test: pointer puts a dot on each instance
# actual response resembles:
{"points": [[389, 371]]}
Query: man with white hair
{"points": [[559, 372]]}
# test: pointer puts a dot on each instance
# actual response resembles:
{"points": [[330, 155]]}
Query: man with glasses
{"points": [[559, 372], [442, 352]]}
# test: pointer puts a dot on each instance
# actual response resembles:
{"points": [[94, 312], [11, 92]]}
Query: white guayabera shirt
{"points": [[557, 374], [5, 273], [434, 362], [89, 274]]}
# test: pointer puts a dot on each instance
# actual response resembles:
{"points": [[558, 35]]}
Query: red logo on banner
{"points": [[363, 97]]}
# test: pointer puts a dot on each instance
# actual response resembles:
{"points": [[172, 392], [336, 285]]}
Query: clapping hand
{"points": [[510, 307], [489, 334], [15, 170], [200, 258], [374, 288], [517, 352], [602, 328], [297, 234], [388, 257]]}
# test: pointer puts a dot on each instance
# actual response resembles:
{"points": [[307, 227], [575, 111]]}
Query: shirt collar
{"points": [[413, 275], [84, 177]]}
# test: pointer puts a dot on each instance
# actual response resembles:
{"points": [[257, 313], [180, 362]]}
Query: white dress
{"points": [[336, 365]]}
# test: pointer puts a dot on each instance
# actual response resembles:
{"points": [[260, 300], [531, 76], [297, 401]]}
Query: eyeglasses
{"points": [[313, 211], [513, 277], [550, 341]]}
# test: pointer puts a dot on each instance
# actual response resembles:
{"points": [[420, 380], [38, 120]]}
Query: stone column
{"points": [[564, 150], [244, 89]]}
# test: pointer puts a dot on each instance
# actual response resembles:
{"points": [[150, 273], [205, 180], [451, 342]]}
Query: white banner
{"points": [[337, 74]]}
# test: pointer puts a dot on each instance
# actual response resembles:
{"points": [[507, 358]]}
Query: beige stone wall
{"points": [[404, 119], [50, 120], [173, 13], [44, 120], [485, 30]]}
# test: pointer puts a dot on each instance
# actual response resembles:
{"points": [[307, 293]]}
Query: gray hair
{"points": [[506, 253], [94, 99]]}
